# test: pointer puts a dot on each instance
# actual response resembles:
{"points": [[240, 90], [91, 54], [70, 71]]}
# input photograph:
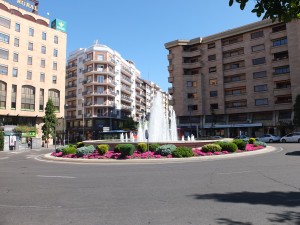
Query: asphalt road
{"points": [[255, 190]]}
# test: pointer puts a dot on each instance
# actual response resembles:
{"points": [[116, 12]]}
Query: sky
{"points": [[139, 29]]}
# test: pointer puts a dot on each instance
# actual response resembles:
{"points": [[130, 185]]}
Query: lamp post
{"points": [[83, 119], [64, 124]]}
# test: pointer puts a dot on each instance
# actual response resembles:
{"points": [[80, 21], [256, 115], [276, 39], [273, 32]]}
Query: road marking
{"points": [[281, 149], [249, 171], [4, 158], [44, 176]]}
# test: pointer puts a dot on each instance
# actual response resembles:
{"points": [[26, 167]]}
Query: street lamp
{"points": [[83, 119]]}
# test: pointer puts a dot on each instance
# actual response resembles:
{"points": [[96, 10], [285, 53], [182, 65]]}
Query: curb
{"points": [[268, 149]]}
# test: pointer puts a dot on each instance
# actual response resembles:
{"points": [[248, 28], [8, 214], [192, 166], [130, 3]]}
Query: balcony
{"points": [[192, 53], [171, 68], [126, 90], [70, 106], [126, 71], [71, 75], [126, 80], [104, 104], [171, 90], [87, 81], [170, 79], [170, 56], [69, 66], [87, 60], [126, 99], [126, 108], [71, 86], [192, 65], [71, 96]]}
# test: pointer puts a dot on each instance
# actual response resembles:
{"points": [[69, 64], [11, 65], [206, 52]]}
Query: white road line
{"points": [[4, 158], [44, 176], [249, 171]]}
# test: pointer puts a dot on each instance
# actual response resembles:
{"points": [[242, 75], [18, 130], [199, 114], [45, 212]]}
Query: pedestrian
{"points": [[29, 143]]}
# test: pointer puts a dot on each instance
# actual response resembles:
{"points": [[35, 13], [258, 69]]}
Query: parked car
{"points": [[243, 137], [268, 138], [291, 137]]}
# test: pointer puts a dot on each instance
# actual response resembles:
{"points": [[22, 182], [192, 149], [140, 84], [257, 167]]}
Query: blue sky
{"points": [[138, 29]]}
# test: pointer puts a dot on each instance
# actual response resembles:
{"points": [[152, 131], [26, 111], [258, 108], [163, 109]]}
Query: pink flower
{"points": [[225, 152], [169, 156]]}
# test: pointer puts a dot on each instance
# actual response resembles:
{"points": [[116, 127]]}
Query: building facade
{"points": [[102, 91], [241, 81], [32, 66]]}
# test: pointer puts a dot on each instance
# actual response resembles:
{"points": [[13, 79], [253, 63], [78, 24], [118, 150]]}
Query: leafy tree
{"points": [[50, 121], [129, 124], [283, 10], [296, 120]]}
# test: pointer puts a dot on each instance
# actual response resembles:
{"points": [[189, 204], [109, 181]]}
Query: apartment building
{"points": [[240, 81], [32, 65]]}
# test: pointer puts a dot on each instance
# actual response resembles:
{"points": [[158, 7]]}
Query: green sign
{"points": [[29, 134], [60, 25]]}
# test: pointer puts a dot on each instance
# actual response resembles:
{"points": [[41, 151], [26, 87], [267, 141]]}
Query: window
{"points": [[211, 45], [43, 63], [55, 52], [54, 67], [260, 88], [281, 55], [13, 96], [281, 41], [235, 78], [16, 57], [27, 98], [31, 31], [283, 115], [279, 28], [192, 107], [281, 70], [3, 53], [17, 27], [41, 103], [43, 49], [55, 96], [54, 79], [191, 96], [44, 36], [237, 117], [212, 69], [3, 91], [257, 48], [257, 34], [259, 61], [283, 99], [262, 101], [30, 46], [232, 40], [3, 70], [29, 75], [212, 57], [4, 38], [234, 65], [213, 82], [236, 104], [29, 60], [55, 39], [233, 52], [283, 84], [214, 106], [100, 57], [4, 22], [213, 93], [42, 77], [16, 42], [259, 74], [235, 91], [191, 83], [15, 72]]}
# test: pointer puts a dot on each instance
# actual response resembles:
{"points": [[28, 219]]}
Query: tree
{"points": [[129, 124], [1, 140], [50, 121], [296, 119], [283, 10]]}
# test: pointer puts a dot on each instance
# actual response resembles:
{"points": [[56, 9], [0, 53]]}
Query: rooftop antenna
{"points": [[96, 42]]}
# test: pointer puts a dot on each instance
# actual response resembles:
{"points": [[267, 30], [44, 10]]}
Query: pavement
{"points": [[268, 149]]}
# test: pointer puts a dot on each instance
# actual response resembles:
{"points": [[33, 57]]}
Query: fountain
{"points": [[161, 125]]}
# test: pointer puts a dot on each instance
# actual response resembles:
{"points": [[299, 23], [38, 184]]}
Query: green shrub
{"points": [[61, 148], [141, 147], [79, 144], [85, 150], [211, 148], [1, 141], [165, 150], [227, 146], [259, 143], [153, 147], [102, 149], [240, 143], [182, 152], [69, 150], [251, 140], [125, 149]]}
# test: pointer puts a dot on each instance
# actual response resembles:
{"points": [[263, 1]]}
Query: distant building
{"points": [[32, 66], [240, 81], [102, 91]]}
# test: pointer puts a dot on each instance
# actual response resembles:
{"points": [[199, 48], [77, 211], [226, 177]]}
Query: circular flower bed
{"points": [[127, 151]]}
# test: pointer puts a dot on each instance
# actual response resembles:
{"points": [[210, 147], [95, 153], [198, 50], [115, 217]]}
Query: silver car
{"points": [[268, 138], [291, 137]]}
